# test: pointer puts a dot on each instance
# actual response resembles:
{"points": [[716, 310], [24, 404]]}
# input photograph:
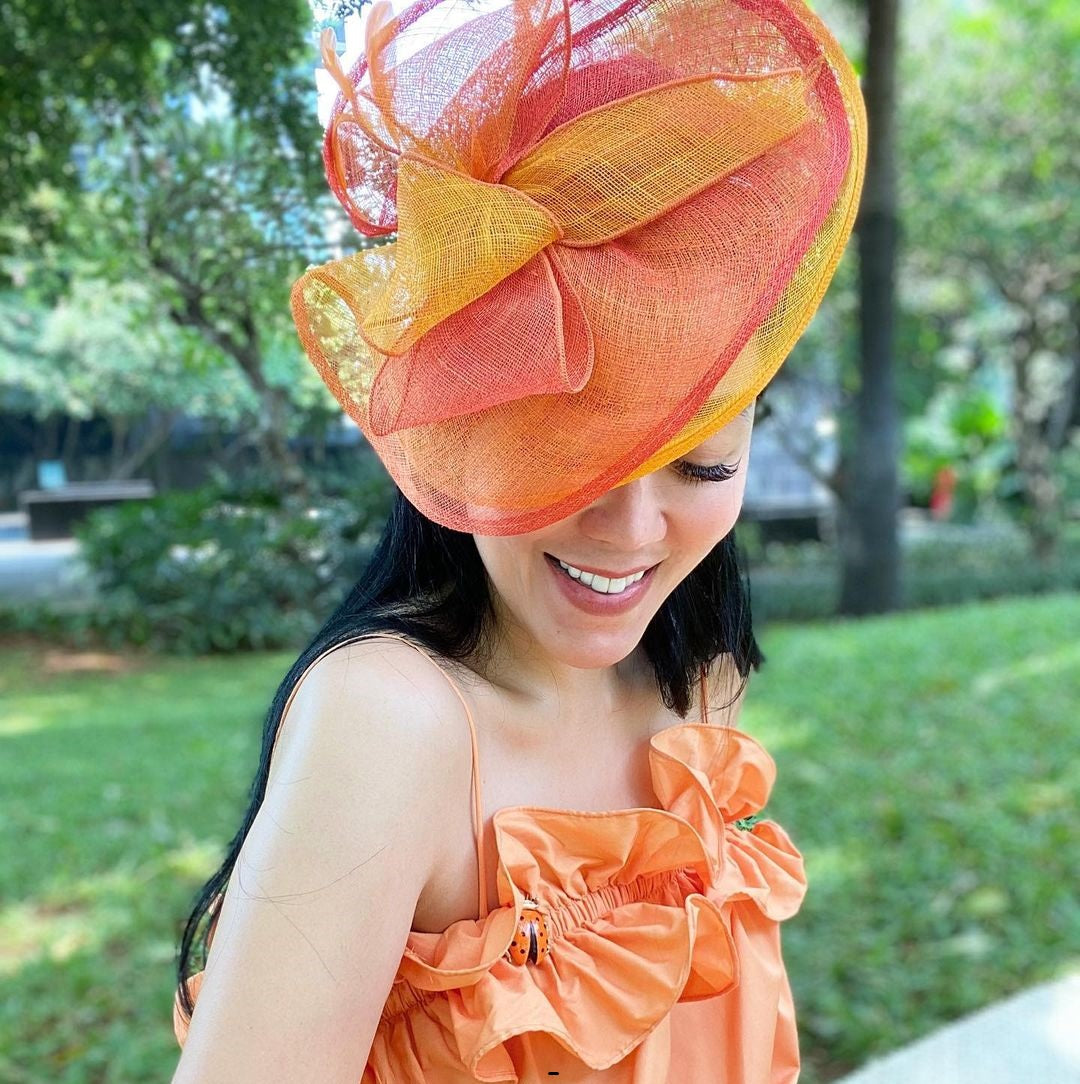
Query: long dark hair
{"points": [[429, 583]]}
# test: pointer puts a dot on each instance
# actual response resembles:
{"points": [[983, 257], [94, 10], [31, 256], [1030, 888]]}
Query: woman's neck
{"points": [[519, 667]]}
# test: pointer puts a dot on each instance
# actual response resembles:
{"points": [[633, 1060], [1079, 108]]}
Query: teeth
{"points": [[601, 584]]}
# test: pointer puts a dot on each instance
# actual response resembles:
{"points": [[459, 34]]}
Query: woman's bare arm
{"points": [[372, 759]]}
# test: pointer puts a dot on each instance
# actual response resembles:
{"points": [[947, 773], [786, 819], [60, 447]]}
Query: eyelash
{"points": [[720, 472]]}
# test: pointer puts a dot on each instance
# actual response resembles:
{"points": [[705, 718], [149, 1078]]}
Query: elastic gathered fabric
{"points": [[666, 950], [665, 962]]}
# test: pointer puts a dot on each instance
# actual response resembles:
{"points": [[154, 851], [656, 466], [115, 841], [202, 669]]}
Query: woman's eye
{"points": [[717, 472]]}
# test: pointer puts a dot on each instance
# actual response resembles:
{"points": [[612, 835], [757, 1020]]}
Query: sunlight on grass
{"points": [[35, 931], [929, 769], [777, 730], [1040, 797], [15, 723], [194, 860], [52, 709], [94, 907], [1047, 664], [832, 866]]}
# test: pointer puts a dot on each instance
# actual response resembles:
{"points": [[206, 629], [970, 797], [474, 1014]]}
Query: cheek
{"points": [[710, 511], [509, 561]]}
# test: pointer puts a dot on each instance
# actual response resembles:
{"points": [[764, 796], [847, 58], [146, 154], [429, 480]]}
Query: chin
{"points": [[591, 649]]}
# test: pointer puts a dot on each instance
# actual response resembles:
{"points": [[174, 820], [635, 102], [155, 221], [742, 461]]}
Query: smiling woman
{"points": [[653, 530], [606, 223]]}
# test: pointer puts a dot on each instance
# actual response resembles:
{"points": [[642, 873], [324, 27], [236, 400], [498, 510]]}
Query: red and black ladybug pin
{"points": [[532, 940]]}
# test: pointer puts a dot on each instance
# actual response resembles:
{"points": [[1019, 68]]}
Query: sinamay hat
{"points": [[613, 220]]}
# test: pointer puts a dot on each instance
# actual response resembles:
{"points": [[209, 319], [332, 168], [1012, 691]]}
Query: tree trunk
{"points": [[1034, 453], [243, 347], [48, 444], [1065, 414], [69, 451], [870, 550], [118, 430], [270, 435], [150, 443]]}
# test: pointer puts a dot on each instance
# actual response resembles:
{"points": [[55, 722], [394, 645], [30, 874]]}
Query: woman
{"points": [[612, 222]]}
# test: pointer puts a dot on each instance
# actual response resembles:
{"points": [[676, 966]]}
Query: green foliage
{"points": [[801, 594], [170, 287], [104, 349], [120, 61], [227, 567], [174, 204], [964, 429], [990, 236], [992, 231], [948, 565]]}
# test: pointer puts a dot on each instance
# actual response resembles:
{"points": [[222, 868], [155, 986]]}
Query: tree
{"points": [[991, 196], [175, 148], [211, 222], [870, 551], [61, 63], [103, 353]]}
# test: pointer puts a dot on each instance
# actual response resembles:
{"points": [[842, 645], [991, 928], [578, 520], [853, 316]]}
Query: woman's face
{"points": [[663, 523]]}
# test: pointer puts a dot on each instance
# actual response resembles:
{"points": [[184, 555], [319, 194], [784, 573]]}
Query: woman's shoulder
{"points": [[384, 669], [350, 830], [378, 699]]}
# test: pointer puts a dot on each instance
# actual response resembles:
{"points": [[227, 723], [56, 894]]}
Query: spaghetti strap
{"points": [[477, 801], [704, 705]]}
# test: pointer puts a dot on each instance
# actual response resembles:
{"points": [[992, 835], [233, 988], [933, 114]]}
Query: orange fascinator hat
{"points": [[607, 223]]}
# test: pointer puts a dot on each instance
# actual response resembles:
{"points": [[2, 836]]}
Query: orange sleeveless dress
{"points": [[663, 962]]}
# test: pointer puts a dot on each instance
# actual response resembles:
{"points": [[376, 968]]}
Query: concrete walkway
{"points": [[37, 570], [1032, 1038]]}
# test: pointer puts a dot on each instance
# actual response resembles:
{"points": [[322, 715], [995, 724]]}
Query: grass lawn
{"points": [[929, 769]]}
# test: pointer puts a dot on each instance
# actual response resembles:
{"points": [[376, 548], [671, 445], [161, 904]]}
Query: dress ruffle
{"points": [[644, 911], [646, 907], [713, 777]]}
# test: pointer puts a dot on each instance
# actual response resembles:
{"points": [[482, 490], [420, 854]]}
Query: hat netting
{"points": [[613, 221]]}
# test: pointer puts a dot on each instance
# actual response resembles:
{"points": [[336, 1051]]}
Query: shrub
{"points": [[230, 566], [943, 565]]}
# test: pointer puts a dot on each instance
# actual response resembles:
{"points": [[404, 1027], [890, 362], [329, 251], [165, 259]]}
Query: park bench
{"points": [[53, 512]]}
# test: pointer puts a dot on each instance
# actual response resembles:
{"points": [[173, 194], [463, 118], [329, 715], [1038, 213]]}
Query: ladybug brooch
{"points": [[532, 941]]}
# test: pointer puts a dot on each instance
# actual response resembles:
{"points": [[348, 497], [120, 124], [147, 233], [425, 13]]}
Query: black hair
{"points": [[429, 583]]}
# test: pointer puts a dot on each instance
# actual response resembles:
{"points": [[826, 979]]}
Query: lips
{"points": [[598, 603]]}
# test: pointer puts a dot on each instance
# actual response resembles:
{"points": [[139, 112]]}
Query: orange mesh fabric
{"points": [[613, 221]]}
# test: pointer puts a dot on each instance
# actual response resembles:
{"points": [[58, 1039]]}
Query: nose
{"points": [[629, 517]]}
